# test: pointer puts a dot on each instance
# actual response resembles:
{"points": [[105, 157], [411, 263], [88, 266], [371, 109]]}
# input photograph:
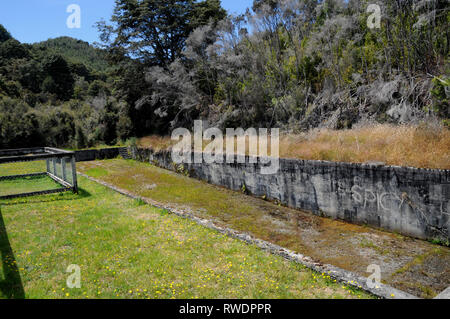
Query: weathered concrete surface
{"points": [[444, 295], [409, 201]]}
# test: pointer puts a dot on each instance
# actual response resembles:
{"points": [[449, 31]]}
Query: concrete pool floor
{"points": [[414, 266]]}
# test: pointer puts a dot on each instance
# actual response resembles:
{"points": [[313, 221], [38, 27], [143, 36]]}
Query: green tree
{"points": [[98, 87], [4, 34], [109, 122], [57, 68], [80, 138], [441, 95], [155, 31], [12, 49]]}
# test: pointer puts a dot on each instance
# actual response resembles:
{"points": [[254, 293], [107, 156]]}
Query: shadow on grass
{"points": [[47, 198], [11, 286]]}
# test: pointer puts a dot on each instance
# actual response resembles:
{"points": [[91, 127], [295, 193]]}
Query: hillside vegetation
{"points": [[76, 51], [297, 65], [56, 93], [293, 64]]}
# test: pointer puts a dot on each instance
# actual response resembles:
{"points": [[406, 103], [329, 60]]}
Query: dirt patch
{"points": [[425, 273]]}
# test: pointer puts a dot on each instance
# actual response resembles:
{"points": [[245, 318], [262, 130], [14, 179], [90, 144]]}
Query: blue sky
{"points": [[32, 21]]}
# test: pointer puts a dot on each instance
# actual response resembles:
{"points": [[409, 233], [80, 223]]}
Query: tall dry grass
{"points": [[422, 146], [158, 143]]}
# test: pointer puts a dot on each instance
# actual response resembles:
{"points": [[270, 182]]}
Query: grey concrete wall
{"points": [[99, 154], [409, 201]]}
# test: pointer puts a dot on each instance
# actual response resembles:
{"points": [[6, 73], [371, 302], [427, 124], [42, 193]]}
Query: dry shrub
{"points": [[424, 146], [156, 142]]}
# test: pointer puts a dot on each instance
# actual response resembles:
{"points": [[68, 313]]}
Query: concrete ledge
{"points": [[339, 274], [98, 154], [444, 295], [409, 201]]}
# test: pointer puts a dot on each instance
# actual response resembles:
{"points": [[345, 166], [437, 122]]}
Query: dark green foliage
{"points": [[17, 125], [80, 70], [59, 80], [12, 49], [155, 31], [130, 86], [205, 12], [76, 52], [56, 93], [31, 75], [124, 127], [150, 33], [98, 87], [309, 63], [109, 124], [4, 34], [305, 63], [80, 139], [441, 95]]}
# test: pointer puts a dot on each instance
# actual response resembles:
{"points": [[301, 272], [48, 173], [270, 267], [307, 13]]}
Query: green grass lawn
{"points": [[127, 249], [328, 241], [27, 185], [22, 168]]}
